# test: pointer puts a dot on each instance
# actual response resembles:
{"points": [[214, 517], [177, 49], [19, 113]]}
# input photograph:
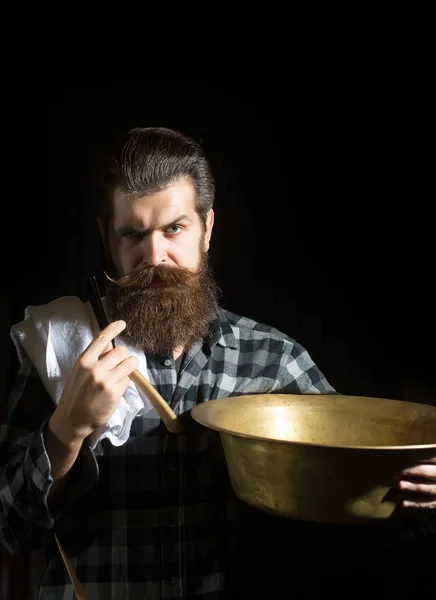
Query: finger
{"points": [[424, 470], [111, 359], [418, 488], [123, 369], [122, 385], [101, 341], [419, 504]]}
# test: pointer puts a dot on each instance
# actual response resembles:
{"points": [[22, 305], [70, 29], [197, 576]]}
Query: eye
{"points": [[131, 234], [174, 229]]}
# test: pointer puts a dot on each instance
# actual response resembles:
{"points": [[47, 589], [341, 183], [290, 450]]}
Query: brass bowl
{"points": [[322, 458]]}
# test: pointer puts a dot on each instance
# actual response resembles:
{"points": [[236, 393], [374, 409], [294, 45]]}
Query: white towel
{"points": [[53, 335]]}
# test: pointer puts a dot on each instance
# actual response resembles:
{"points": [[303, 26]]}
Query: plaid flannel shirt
{"points": [[156, 517]]}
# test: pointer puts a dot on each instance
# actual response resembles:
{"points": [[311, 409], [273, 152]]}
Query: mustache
{"points": [[161, 318], [146, 276]]}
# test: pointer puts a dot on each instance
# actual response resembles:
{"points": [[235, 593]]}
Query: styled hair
{"points": [[150, 159]]}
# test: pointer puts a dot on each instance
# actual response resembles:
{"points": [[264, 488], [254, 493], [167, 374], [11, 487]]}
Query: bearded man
{"points": [[142, 513]]}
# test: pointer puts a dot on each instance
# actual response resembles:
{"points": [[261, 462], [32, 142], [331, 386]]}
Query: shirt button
{"points": [[172, 581], [167, 362]]}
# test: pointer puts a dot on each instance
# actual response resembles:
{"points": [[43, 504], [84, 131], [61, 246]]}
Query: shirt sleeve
{"points": [[298, 374], [25, 477]]}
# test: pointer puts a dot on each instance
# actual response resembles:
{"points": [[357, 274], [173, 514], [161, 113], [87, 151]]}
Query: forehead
{"points": [[167, 204]]}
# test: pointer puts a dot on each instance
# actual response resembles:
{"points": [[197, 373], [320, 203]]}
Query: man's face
{"points": [[163, 287], [160, 229]]}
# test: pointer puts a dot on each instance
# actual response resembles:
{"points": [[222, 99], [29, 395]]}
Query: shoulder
{"points": [[63, 308], [246, 328], [282, 360], [62, 304], [65, 317]]}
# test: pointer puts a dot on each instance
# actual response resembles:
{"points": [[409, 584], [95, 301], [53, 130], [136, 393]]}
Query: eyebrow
{"points": [[147, 231]]}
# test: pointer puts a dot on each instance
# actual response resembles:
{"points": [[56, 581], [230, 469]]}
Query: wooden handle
{"points": [[78, 587], [167, 415]]}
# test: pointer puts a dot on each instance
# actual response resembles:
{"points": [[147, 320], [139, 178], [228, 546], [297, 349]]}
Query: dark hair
{"points": [[148, 160]]}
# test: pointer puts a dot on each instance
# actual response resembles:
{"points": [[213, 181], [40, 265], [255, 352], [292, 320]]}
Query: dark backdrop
{"points": [[324, 222], [323, 215]]}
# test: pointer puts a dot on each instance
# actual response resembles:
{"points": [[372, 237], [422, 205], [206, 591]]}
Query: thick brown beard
{"points": [[162, 318]]}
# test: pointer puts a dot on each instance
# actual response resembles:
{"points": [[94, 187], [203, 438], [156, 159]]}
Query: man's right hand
{"points": [[94, 387]]}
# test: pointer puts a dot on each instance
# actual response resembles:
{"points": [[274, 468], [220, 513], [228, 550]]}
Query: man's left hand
{"points": [[418, 485]]}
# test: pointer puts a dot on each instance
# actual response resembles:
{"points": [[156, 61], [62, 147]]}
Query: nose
{"points": [[154, 249]]}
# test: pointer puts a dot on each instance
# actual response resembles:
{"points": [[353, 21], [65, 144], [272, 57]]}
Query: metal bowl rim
{"points": [[312, 444]]}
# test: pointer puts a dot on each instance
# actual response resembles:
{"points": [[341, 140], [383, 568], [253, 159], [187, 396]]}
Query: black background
{"points": [[324, 219]]}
